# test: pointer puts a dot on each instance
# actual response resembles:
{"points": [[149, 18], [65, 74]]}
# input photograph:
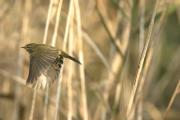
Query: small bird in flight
{"points": [[45, 60]]}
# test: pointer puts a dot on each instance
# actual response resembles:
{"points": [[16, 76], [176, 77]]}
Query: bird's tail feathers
{"points": [[69, 57]]}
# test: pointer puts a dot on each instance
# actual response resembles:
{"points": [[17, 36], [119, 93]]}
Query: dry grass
{"points": [[129, 52]]}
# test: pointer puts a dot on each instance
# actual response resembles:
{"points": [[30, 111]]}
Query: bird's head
{"points": [[30, 47]]}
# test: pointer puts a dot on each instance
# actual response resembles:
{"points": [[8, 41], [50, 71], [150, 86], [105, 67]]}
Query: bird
{"points": [[45, 60]]}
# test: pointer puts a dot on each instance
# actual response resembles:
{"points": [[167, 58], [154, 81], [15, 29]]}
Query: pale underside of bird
{"points": [[45, 64]]}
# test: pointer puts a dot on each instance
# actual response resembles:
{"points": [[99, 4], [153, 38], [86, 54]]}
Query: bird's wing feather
{"points": [[38, 65], [33, 71]]}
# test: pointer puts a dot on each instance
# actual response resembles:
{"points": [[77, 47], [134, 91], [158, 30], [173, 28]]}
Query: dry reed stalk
{"points": [[33, 103], [156, 45], [88, 39], [140, 95], [47, 22], [58, 94], [123, 77], [53, 42], [57, 23], [141, 26], [65, 41], [20, 58], [176, 92], [175, 59], [54, 38], [93, 45], [44, 42], [70, 73], [45, 109], [52, 2], [46, 100], [107, 28], [117, 94], [69, 19], [69, 31], [150, 55], [19, 61], [141, 45], [81, 57], [141, 62], [117, 61]]}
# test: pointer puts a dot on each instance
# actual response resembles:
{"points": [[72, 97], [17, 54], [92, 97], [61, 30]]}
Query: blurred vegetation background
{"points": [[130, 52]]}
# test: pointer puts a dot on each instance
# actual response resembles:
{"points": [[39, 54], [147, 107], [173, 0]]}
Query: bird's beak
{"points": [[23, 47]]}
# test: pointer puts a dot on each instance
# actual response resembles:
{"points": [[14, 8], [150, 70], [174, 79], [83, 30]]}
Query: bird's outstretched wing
{"points": [[39, 64], [54, 70]]}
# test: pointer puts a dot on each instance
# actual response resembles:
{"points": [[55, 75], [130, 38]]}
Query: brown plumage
{"points": [[46, 60]]}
